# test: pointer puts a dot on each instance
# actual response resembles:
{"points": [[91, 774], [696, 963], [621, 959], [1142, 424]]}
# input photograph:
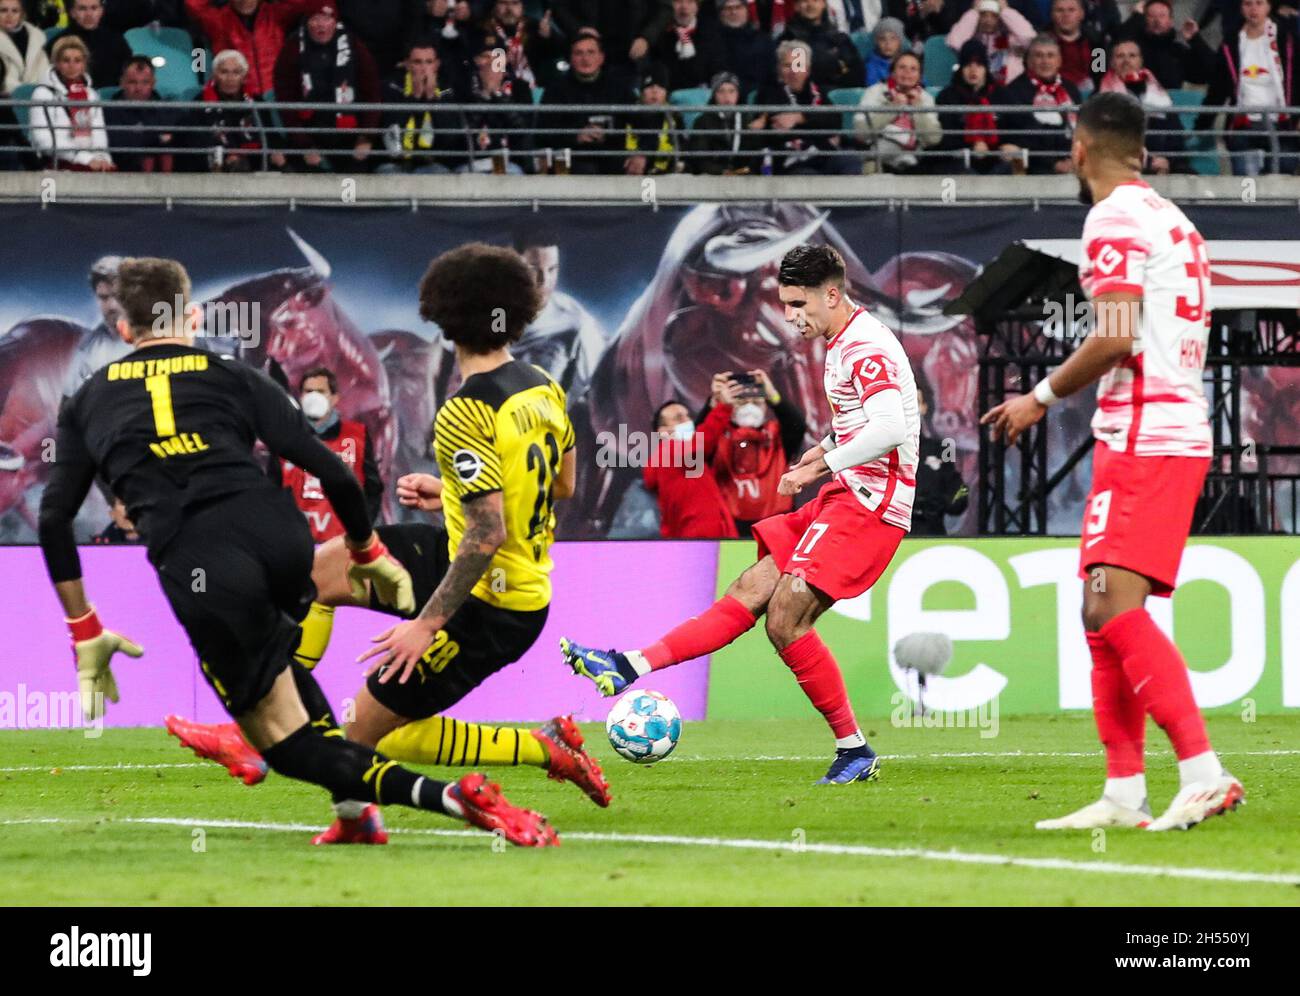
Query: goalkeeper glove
{"points": [[94, 647], [390, 579]]}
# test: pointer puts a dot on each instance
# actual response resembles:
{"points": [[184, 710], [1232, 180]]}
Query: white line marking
{"points": [[699, 759], [747, 844]]}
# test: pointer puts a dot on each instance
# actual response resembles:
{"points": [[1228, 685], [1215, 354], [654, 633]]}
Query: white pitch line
{"points": [[748, 844], [697, 759]]}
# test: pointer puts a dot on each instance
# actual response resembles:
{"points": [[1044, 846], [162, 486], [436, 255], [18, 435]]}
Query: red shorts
{"points": [[835, 543], [1139, 513]]}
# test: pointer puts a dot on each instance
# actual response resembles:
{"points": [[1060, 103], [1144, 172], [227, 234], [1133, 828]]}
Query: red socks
{"points": [[1121, 723], [1157, 674], [711, 630], [819, 676]]}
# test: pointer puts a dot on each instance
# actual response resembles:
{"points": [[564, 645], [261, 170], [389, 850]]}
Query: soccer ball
{"points": [[644, 727]]}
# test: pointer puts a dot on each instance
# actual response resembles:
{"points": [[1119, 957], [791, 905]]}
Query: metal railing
{"points": [[546, 140]]}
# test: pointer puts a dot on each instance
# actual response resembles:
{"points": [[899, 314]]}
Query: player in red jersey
{"points": [[1145, 269], [837, 545]]}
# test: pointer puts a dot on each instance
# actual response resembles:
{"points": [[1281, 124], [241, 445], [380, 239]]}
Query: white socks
{"points": [[639, 664], [349, 809], [1201, 768], [854, 739], [1130, 792]]}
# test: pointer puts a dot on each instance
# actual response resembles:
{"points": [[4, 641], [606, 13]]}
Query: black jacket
{"points": [[920, 26], [727, 152], [619, 22], [417, 137], [141, 128], [1171, 60], [501, 118], [1051, 142], [836, 60], [750, 54], [710, 56], [570, 92], [940, 490]]}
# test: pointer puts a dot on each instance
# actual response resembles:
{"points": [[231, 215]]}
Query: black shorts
{"points": [[238, 578], [478, 641]]}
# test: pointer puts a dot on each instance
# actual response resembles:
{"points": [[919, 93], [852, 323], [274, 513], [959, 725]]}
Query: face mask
{"points": [[748, 416], [683, 431], [315, 405]]}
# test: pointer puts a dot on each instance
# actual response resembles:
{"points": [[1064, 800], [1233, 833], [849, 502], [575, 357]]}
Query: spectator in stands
{"points": [[1175, 57], [940, 491], [849, 16], [421, 140], [653, 138], [972, 136], [801, 140], [1006, 34], [22, 49], [923, 19], [1257, 67], [141, 128], [588, 83], [318, 397], [1102, 19], [46, 14], [748, 51], [770, 15], [450, 23], [1164, 141], [67, 130], [1080, 49], [629, 28], [758, 433], [507, 105], [887, 41], [234, 131], [691, 505], [108, 49], [532, 46], [836, 61], [887, 125], [254, 28], [720, 133], [382, 26], [1045, 132], [323, 61], [690, 50]]}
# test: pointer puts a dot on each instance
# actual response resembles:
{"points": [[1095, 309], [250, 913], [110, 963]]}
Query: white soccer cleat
{"points": [[1199, 801], [1102, 813]]}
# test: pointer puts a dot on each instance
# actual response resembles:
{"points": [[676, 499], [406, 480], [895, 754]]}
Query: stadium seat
{"points": [[695, 96], [934, 91], [938, 62], [108, 92], [1207, 162], [848, 97], [537, 94], [172, 52], [23, 114], [864, 41]]}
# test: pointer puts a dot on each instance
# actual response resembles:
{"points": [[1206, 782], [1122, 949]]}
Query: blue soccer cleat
{"points": [[601, 666], [851, 767]]}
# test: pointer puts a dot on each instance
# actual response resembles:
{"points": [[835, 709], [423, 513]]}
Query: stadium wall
{"points": [[1011, 607]]}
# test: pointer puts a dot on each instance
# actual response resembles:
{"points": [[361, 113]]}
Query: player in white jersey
{"points": [[1145, 269], [835, 546]]}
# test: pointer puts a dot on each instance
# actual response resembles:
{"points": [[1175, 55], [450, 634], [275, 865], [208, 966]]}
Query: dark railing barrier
{"points": [[545, 144]]}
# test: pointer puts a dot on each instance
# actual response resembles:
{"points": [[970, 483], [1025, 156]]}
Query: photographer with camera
{"points": [[757, 430]]}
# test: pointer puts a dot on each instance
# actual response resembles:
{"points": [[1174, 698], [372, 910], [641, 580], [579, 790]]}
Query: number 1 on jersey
{"points": [[164, 418]]}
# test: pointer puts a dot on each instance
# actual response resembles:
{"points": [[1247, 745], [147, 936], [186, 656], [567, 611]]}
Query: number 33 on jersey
{"points": [[506, 430]]}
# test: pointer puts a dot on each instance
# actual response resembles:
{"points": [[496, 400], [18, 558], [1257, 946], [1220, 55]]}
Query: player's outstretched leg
{"points": [[557, 747], [225, 743], [729, 617], [1121, 723], [292, 747], [794, 608]]}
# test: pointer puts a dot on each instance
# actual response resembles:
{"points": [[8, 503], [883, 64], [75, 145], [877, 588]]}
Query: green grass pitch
{"points": [[130, 818]]}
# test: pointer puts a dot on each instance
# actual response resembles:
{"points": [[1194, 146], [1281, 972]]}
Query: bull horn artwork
{"points": [[319, 264], [740, 253]]}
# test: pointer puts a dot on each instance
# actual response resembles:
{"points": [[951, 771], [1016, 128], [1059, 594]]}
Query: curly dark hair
{"points": [[482, 296], [811, 266]]}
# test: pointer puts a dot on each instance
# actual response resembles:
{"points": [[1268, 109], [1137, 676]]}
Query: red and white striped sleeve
{"points": [[1115, 252]]}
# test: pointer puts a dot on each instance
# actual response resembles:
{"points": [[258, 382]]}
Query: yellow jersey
{"points": [[506, 430]]}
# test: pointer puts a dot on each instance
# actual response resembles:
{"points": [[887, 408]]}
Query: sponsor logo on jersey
{"points": [[468, 465]]}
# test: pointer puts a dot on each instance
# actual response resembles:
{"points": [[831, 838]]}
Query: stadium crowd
{"points": [[635, 86]]}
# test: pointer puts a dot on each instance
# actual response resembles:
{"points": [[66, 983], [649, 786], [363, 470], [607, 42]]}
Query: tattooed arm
{"points": [[401, 646]]}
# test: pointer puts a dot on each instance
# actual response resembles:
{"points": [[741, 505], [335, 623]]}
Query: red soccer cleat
{"points": [[368, 828], [569, 762], [486, 808], [223, 743]]}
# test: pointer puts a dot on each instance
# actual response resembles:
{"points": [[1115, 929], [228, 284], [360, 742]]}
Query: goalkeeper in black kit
{"points": [[172, 428]]}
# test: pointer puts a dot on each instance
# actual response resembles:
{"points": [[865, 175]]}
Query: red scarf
{"points": [[1050, 95], [516, 58], [81, 118], [1112, 82], [980, 126], [903, 120]]}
